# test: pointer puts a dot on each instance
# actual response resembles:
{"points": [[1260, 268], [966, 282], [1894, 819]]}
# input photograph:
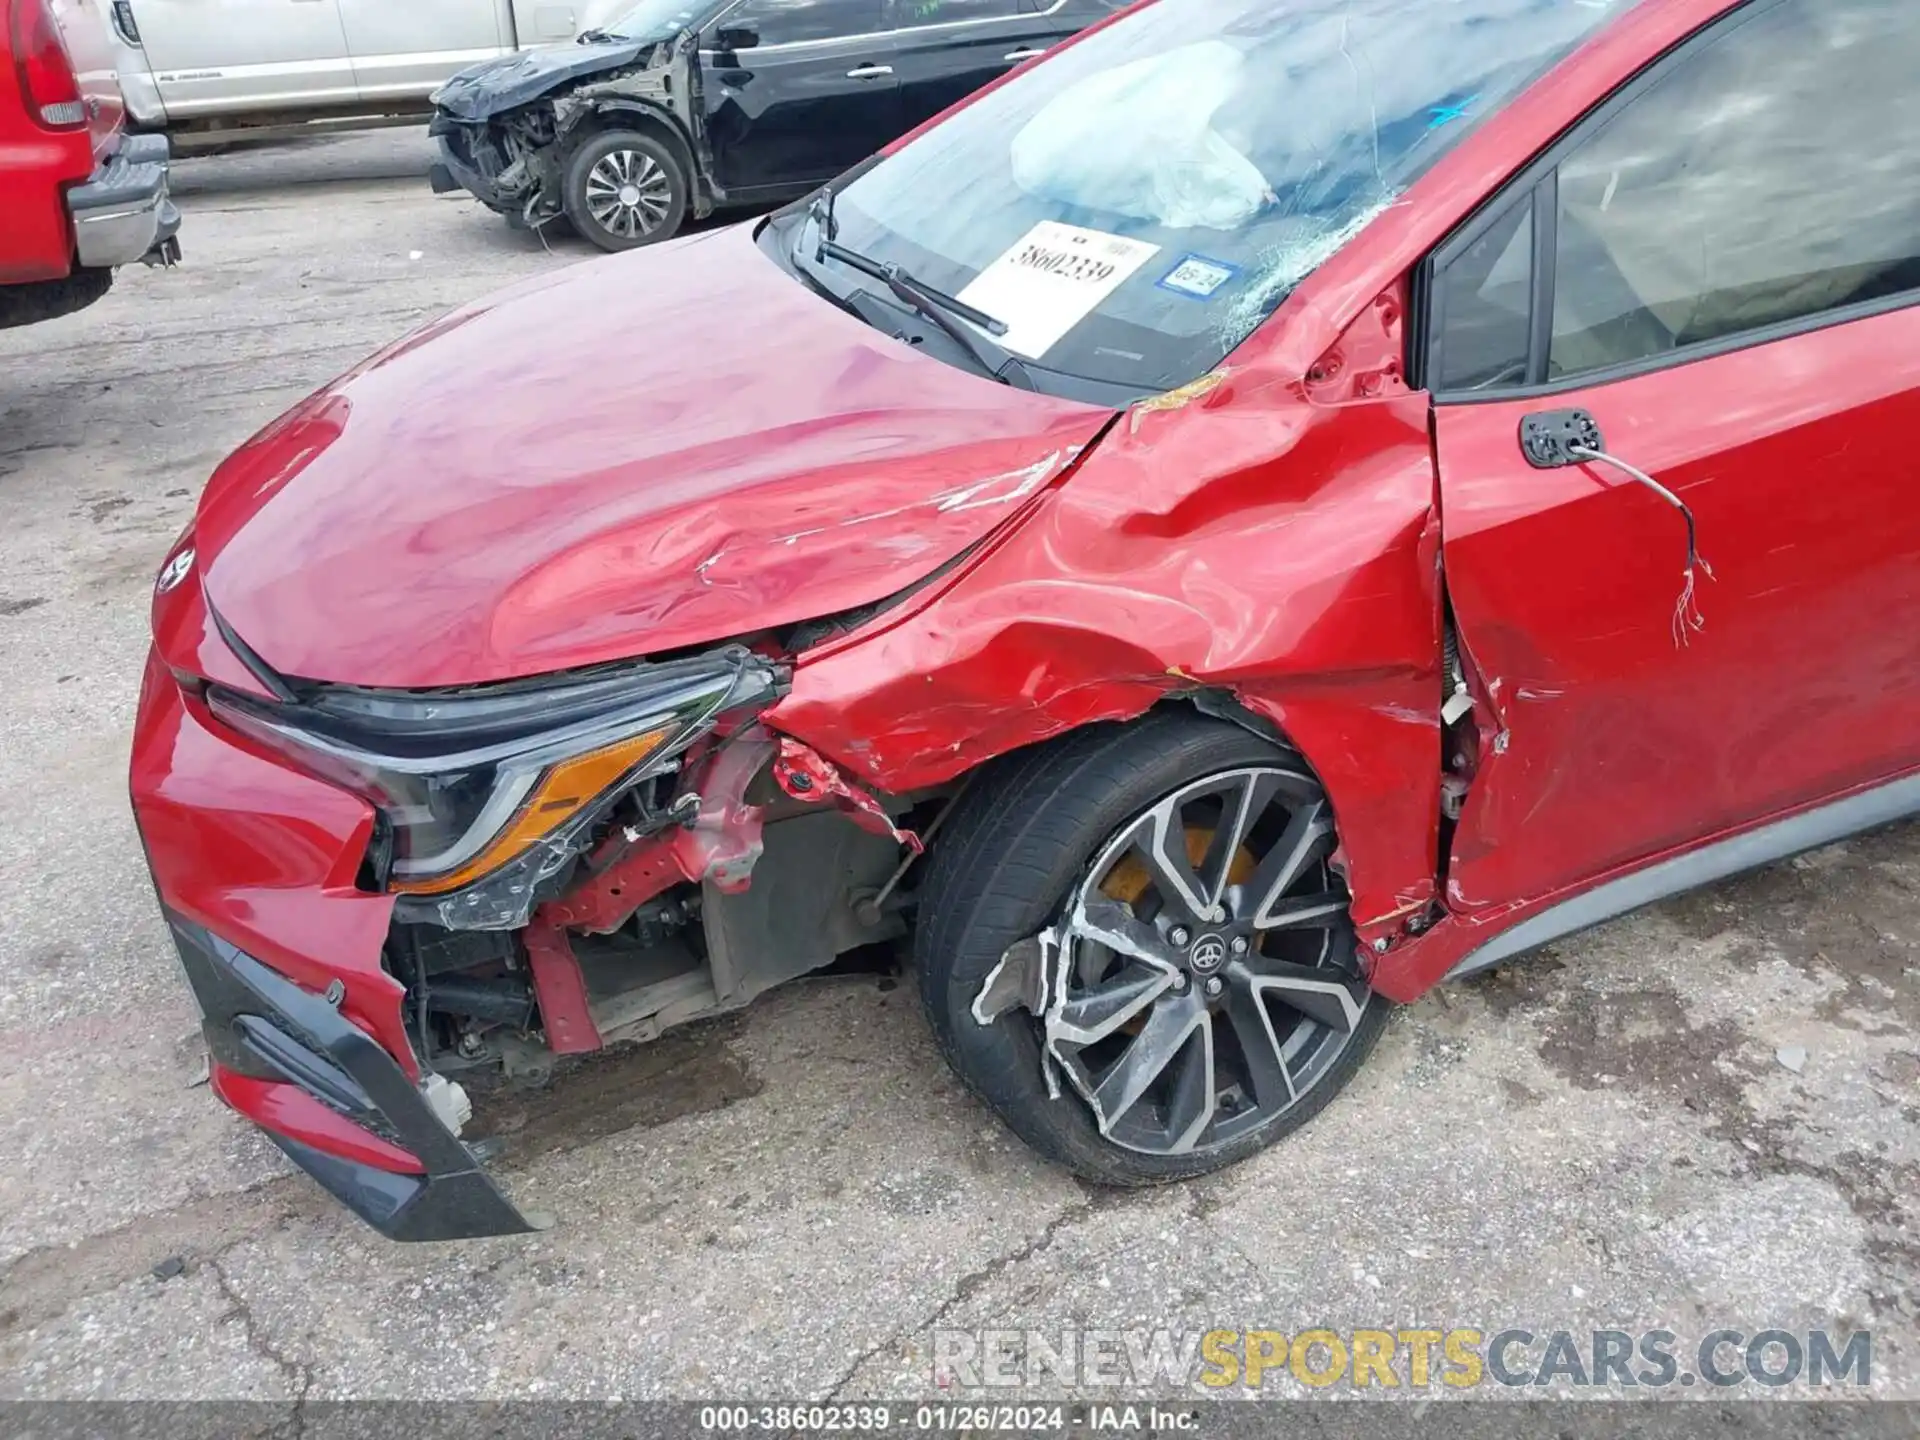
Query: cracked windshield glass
{"points": [[1133, 208]]}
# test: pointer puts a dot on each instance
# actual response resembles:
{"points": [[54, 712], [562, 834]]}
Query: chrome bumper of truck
{"points": [[125, 213]]}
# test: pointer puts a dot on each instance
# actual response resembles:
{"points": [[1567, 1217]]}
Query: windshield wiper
{"points": [[934, 305], [599, 37], [820, 287]]}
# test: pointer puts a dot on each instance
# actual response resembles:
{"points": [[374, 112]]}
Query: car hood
{"points": [[486, 89], [626, 457]]}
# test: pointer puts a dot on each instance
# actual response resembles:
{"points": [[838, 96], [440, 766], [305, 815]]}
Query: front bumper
{"points": [[254, 864], [125, 211], [456, 169], [310, 1068]]}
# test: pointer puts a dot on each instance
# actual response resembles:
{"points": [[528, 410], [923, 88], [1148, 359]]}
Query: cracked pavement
{"points": [[788, 1202]]}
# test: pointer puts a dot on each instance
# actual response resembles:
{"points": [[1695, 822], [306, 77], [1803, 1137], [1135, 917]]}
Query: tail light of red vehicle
{"points": [[47, 82]]}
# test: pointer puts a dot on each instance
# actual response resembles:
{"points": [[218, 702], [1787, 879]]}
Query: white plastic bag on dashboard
{"points": [[1138, 140]]}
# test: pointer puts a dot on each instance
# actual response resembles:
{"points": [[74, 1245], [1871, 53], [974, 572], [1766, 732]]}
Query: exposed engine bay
{"points": [[745, 861], [635, 946]]}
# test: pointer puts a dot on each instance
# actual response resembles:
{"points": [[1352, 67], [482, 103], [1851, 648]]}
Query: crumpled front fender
{"points": [[1270, 537]]}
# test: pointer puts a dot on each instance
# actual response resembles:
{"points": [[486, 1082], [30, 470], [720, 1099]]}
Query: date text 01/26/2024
{"points": [[942, 1418]]}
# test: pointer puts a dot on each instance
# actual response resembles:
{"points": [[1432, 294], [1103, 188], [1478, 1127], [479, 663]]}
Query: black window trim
{"points": [[1026, 12], [1431, 296], [1540, 176]]}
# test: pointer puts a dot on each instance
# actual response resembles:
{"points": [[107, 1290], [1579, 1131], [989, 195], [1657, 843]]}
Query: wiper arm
{"points": [[934, 305], [598, 37], [820, 287], [915, 292]]}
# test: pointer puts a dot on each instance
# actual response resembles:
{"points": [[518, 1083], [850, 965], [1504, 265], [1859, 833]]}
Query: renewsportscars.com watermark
{"points": [[1400, 1358]]}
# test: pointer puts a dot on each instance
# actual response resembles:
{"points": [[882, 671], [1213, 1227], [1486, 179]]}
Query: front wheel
{"points": [[1203, 996], [625, 189]]}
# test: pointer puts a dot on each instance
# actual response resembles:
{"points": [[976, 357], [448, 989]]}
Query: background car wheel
{"points": [[1213, 1001], [625, 189]]}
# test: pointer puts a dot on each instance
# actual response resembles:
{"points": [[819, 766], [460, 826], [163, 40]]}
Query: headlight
{"points": [[471, 781]]}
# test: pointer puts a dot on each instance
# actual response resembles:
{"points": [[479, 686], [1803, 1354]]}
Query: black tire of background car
{"points": [[1021, 838], [50, 299], [590, 153]]}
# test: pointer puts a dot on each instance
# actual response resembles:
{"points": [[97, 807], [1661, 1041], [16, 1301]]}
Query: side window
{"points": [[788, 22], [1773, 174], [911, 14], [1484, 306], [1770, 174]]}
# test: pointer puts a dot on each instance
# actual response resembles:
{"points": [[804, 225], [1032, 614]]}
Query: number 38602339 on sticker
{"points": [[1051, 279]]}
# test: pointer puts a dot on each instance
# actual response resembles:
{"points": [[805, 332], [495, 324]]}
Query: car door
{"points": [[214, 56], [1719, 271], [553, 22], [795, 92], [944, 50], [403, 51]]}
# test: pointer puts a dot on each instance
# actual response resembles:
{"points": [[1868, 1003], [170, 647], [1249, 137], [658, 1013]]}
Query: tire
{"points": [[39, 300], [625, 189], [1031, 833]]}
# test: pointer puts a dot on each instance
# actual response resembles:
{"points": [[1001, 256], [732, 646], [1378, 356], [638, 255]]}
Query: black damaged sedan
{"points": [[676, 109]]}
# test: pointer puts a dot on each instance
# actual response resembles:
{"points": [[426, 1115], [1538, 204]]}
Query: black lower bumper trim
{"points": [[260, 1023], [459, 1206]]}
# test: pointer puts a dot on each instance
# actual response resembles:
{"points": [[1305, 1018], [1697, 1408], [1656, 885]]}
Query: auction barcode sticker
{"points": [[1051, 279]]}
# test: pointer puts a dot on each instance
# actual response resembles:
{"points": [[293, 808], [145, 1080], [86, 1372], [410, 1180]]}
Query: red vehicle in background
{"points": [[78, 196]]}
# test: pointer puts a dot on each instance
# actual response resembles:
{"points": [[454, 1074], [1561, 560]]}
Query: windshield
{"points": [[1135, 206], [649, 20]]}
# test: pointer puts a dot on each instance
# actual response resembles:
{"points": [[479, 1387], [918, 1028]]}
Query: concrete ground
{"points": [[789, 1203]]}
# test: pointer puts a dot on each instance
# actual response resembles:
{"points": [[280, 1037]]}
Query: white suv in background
{"points": [[201, 72]]}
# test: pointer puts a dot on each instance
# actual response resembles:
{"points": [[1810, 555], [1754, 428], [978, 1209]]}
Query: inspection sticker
{"points": [[1051, 279], [1198, 276]]}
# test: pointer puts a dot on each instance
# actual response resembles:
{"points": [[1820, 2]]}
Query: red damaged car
{"points": [[1280, 503]]}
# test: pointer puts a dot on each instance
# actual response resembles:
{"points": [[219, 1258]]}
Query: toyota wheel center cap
{"points": [[1208, 954]]}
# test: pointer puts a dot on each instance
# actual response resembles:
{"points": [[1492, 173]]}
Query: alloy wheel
{"points": [[628, 194], [1206, 981]]}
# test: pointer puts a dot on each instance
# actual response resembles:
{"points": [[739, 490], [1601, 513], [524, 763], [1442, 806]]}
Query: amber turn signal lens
{"points": [[563, 792]]}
